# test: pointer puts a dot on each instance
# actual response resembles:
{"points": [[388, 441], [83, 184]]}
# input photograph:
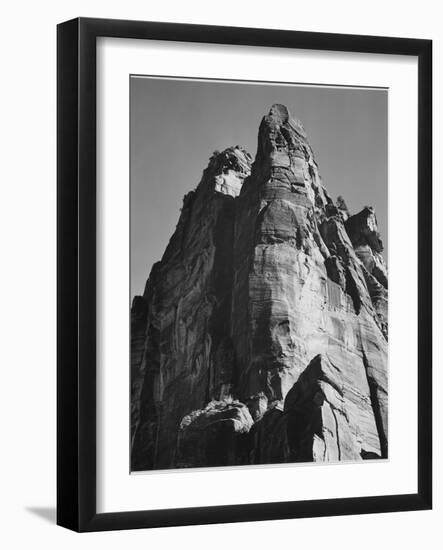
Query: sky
{"points": [[175, 125]]}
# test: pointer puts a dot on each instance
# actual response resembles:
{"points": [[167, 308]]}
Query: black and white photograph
{"points": [[222, 256], [258, 273]]}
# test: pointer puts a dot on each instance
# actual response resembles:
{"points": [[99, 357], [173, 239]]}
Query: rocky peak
{"points": [[262, 337], [227, 170], [343, 207], [286, 161], [363, 230]]}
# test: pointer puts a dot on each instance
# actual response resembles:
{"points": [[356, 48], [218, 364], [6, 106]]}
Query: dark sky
{"points": [[177, 124]]}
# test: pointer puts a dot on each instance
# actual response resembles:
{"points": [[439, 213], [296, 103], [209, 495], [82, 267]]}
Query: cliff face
{"points": [[261, 336]]}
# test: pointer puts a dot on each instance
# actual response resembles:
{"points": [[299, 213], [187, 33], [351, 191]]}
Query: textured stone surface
{"points": [[215, 435], [330, 416], [261, 336]]}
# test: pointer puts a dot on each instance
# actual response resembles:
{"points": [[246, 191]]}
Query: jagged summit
{"points": [[261, 336], [281, 115], [362, 229], [228, 169], [232, 158], [285, 159]]}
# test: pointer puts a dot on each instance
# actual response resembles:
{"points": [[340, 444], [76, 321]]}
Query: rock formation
{"points": [[261, 336]]}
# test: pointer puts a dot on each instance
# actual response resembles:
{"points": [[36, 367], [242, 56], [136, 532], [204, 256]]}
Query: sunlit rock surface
{"points": [[261, 336]]}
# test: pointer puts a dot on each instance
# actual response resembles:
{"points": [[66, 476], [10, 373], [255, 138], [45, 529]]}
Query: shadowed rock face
{"points": [[261, 336], [215, 436]]}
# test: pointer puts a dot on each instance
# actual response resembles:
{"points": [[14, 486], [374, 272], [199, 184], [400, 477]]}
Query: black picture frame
{"points": [[76, 280]]}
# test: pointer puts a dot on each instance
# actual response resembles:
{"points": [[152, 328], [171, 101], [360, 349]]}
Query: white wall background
{"points": [[27, 276]]}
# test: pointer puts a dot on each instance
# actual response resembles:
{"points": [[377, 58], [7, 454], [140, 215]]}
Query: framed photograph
{"points": [[244, 274]]}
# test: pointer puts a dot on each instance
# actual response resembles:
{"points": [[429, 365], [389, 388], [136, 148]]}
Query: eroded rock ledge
{"points": [[261, 336]]}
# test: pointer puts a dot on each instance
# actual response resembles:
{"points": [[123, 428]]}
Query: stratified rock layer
{"points": [[261, 336]]}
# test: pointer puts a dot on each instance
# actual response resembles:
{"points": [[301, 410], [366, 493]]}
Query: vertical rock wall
{"points": [[261, 336]]}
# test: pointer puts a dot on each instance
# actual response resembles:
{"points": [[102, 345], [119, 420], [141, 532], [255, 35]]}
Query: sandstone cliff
{"points": [[261, 336]]}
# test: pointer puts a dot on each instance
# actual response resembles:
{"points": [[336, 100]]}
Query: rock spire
{"points": [[261, 336]]}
